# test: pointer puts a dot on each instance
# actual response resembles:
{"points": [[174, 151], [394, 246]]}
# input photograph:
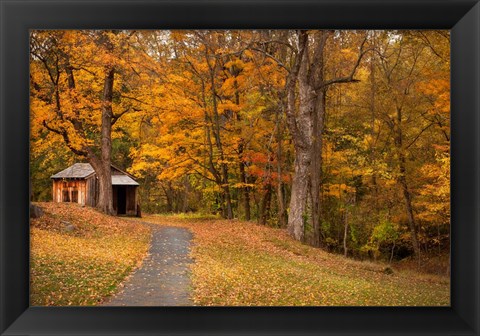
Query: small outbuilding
{"points": [[79, 184]]}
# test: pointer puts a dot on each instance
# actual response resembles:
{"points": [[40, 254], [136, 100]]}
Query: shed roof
{"points": [[84, 170], [77, 170], [123, 180]]}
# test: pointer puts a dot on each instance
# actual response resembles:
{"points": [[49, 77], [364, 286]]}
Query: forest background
{"points": [[341, 137]]}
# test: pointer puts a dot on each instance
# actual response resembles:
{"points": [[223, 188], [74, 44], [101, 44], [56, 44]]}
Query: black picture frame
{"points": [[19, 16]]}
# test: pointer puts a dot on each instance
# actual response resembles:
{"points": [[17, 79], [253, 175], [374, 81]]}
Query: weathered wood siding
{"points": [[91, 191], [69, 190]]}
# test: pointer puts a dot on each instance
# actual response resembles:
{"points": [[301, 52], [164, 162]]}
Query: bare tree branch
{"points": [[349, 78]]}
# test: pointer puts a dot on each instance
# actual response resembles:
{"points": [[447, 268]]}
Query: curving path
{"points": [[164, 277]]}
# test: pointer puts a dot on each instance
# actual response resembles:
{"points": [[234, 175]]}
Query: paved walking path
{"points": [[163, 278]]}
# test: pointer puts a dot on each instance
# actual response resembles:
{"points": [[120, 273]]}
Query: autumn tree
{"points": [[212, 123], [405, 112], [393, 144], [305, 90], [77, 80]]}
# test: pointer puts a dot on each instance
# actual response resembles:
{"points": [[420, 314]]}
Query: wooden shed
{"points": [[79, 184]]}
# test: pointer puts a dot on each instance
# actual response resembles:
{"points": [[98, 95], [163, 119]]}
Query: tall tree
{"points": [[306, 124], [73, 80]]}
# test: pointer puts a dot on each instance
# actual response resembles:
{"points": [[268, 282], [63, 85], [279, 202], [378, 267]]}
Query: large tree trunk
{"points": [[299, 125], [307, 139], [282, 211], [306, 127], [105, 196], [316, 165], [298, 200], [103, 166], [316, 83]]}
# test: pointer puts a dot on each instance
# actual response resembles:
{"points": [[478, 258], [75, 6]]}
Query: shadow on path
{"points": [[164, 276]]}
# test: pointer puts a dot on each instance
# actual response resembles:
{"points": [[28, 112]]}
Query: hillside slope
{"points": [[79, 256], [243, 264]]}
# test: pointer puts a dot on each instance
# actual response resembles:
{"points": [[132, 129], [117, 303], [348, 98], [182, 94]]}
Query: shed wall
{"points": [[91, 191], [69, 190]]}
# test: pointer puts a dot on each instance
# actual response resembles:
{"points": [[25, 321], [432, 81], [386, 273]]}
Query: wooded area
{"points": [[341, 137]]}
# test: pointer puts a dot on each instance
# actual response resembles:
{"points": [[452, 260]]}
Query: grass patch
{"points": [[85, 265], [243, 264]]}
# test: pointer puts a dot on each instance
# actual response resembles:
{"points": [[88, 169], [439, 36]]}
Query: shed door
{"points": [[121, 200]]}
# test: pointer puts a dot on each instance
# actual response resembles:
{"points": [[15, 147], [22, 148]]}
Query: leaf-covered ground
{"points": [[84, 265], [243, 264]]}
